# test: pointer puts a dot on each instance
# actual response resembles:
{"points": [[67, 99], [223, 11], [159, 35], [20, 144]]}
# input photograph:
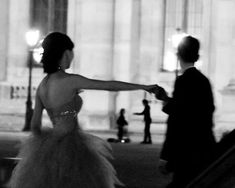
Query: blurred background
{"points": [[128, 40]]}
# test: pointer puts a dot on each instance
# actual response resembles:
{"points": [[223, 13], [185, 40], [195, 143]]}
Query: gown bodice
{"points": [[64, 117], [62, 156]]}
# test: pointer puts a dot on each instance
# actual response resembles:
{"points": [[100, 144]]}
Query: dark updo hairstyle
{"points": [[54, 45], [188, 49]]}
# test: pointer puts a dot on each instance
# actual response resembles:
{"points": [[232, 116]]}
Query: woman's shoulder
{"points": [[44, 80], [42, 83], [68, 81], [74, 76], [55, 77], [51, 80]]}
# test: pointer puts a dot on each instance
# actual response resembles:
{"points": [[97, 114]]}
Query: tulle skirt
{"points": [[72, 160]]}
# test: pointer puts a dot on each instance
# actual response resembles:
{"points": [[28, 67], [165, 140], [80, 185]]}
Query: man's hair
{"points": [[188, 49]]}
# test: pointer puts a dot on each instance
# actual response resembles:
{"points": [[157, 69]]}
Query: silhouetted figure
{"points": [[121, 122], [147, 120], [189, 143]]}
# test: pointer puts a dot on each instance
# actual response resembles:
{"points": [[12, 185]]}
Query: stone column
{"points": [[122, 28], [19, 15], [147, 46], [223, 26], [74, 24], [151, 41], [90, 25], [4, 30], [223, 61]]}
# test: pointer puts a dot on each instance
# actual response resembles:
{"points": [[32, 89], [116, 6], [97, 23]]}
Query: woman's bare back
{"points": [[55, 90]]}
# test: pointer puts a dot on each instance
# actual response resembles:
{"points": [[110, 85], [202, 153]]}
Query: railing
{"points": [[220, 174], [7, 164], [20, 92]]}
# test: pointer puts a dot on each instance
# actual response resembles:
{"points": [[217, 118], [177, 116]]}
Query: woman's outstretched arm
{"points": [[81, 82]]}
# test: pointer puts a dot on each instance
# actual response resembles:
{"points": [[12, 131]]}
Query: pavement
{"points": [[136, 164]]}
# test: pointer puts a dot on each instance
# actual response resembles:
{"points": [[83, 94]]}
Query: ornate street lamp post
{"points": [[32, 38]]}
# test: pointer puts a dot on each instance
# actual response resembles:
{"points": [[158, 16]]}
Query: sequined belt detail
{"points": [[65, 113]]}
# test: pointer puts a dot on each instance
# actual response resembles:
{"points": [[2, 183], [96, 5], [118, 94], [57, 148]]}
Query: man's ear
{"points": [[196, 57], [178, 56]]}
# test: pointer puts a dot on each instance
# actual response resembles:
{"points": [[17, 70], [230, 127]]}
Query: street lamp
{"points": [[32, 38], [176, 39], [37, 52]]}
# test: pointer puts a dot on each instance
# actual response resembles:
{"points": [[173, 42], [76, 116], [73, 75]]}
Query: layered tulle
{"points": [[71, 160]]}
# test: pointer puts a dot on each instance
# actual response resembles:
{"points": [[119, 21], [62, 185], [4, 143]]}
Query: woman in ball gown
{"points": [[64, 156]]}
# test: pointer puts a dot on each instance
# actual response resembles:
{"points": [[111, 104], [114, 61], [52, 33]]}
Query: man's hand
{"points": [[161, 94], [163, 167], [151, 88]]}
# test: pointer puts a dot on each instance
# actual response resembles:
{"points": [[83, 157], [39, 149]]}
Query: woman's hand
{"points": [[151, 88], [161, 94]]}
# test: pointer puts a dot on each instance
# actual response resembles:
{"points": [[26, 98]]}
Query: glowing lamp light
{"points": [[177, 38], [37, 52], [171, 62], [32, 37]]}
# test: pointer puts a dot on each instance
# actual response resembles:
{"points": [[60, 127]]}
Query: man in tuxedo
{"points": [[189, 141]]}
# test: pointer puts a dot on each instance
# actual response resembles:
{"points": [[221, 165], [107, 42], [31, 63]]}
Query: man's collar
{"points": [[189, 67]]}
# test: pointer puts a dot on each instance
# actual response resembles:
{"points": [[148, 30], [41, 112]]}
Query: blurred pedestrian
{"points": [[189, 143], [147, 122], [122, 125]]}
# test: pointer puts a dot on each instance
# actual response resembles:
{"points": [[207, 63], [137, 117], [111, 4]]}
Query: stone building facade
{"points": [[124, 40]]}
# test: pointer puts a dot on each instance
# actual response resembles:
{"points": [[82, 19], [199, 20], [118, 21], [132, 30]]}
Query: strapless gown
{"points": [[64, 156]]}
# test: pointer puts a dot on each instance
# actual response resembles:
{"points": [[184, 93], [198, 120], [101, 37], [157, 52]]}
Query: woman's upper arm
{"points": [[81, 82]]}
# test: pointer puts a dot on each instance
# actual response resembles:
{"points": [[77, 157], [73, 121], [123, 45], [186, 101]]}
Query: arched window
{"points": [[181, 17], [49, 15]]}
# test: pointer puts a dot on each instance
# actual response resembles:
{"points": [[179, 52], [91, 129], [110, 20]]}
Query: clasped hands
{"points": [[158, 91]]}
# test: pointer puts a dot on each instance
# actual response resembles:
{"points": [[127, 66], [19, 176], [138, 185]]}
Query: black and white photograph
{"points": [[117, 94]]}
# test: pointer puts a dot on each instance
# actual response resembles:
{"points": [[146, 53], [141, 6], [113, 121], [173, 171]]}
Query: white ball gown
{"points": [[64, 156]]}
